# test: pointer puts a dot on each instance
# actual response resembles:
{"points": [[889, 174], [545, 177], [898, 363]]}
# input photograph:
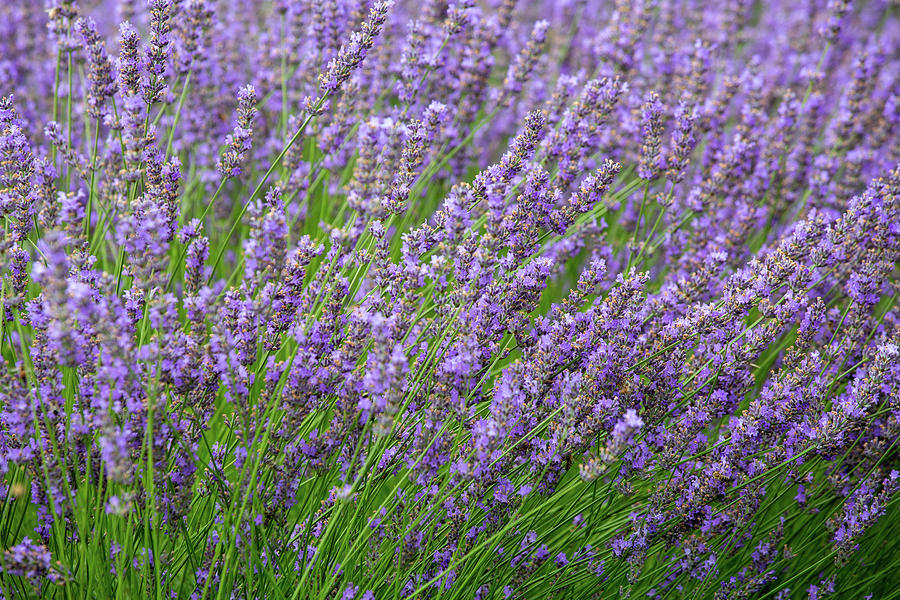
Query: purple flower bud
{"points": [[102, 83], [351, 54], [158, 51], [651, 131], [129, 62], [239, 142]]}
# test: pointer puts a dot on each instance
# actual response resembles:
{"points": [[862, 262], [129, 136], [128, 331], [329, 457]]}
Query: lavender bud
{"points": [[457, 17], [30, 561], [61, 15], [525, 61], [351, 54], [129, 61], [198, 16], [239, 142], [18, 265], [837, 11], [651, 130], [682, 142], [102, 84], [16, 171], [196, 256], [158, 50]]}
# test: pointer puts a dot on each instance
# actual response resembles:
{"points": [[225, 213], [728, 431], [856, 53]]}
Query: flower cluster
{"points": [[462, 299]]}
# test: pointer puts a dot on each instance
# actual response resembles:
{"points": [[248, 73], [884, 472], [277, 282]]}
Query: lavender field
{"points": [[532, 299]]}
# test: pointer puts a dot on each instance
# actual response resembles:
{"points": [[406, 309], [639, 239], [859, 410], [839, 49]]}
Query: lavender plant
{"points": [[496, 299]]}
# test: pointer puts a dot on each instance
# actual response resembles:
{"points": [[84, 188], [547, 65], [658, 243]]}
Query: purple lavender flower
{"points": [[31, 561], [351, 54], [158, 50], [651, 130], [102, 83], [531, 299], [16, 172], [240, 140], [129, 63], [683, 142]]}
